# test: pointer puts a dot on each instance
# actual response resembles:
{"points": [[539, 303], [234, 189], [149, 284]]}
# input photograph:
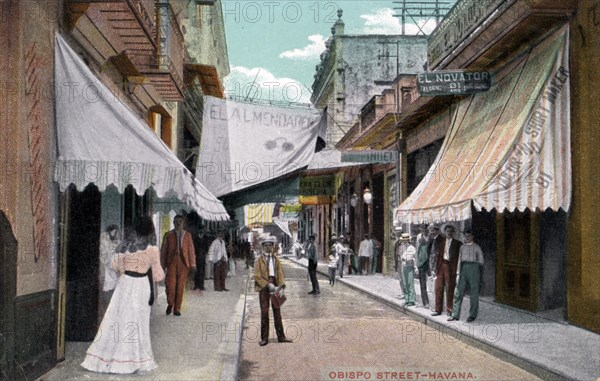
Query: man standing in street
{"points": [[268, 276], [435, 241], [422, 247], [341, 250], [470, 262], [376, 252], [398, 259], [365, 251], [178, 258], [218, 252], [200, 261], [313, 259], [447, 263], [407, 256]]}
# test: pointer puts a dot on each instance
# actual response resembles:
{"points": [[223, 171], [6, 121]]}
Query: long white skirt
{"points": [[122, 344]]}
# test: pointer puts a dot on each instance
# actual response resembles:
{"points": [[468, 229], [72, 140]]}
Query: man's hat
{"points": [[423, 226], [434, 226], [341, 237], [449, 226], [405, 237], [269, 239], [333, 237]]}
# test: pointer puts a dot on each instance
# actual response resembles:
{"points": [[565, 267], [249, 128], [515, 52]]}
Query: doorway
{"points": [[83, 250], [8, 293], [518, 260]]}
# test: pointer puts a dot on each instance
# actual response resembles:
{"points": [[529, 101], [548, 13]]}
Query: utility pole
{"points": [[421, 11]]}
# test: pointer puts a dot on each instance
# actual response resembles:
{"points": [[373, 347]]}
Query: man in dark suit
{"points": [[200, 261], [313, 260], [178, 258], [446, 265]]}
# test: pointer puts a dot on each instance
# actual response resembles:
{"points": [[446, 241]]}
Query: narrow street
{"points": [[343, 334]]}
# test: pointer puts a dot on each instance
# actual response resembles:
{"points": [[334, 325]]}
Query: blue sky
{"points": [[279, 42]]}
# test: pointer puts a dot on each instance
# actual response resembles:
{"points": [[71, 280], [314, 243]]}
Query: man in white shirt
{"points": [[365, 252], [341, 251], [408, 256], [218, 252], [470, 262]]}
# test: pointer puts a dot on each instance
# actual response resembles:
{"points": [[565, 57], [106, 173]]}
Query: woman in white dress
{"points": [[122, 344]]}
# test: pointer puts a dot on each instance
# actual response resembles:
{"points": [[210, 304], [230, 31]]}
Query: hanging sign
{"points": [[317, 186], [453, 82], [369, 156]]}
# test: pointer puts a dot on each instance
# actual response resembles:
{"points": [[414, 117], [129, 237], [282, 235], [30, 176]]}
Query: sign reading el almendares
{"points": [[453, 82]]}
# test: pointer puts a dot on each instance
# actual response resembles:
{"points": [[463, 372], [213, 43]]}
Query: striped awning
{"points": [[507, 149], [258, 214]]}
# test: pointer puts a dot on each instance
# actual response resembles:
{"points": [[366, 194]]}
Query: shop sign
{"points": [[317, 186], [369, 156], [453, 82]]}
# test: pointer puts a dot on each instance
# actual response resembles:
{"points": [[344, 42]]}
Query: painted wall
{"points": [[204, 31], [351, 73], [26, 137], [363, 69]]}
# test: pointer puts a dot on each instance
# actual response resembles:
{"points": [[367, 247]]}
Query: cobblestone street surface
{"points": [[343, 334]]}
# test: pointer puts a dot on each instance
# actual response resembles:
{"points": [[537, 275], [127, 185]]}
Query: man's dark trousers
{"points": [[312, 272], [265, 300]]}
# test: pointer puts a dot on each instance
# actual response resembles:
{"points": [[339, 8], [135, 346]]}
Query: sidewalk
{"points": [[204, 343], [549, 349]]}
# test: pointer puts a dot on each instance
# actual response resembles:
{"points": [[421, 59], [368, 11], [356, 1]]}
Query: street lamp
{"points": [[367, 196], [354, 200]]}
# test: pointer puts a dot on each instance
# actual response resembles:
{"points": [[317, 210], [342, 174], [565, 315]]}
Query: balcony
{"points": [[124, 24], [141, 37], [475, 34]]}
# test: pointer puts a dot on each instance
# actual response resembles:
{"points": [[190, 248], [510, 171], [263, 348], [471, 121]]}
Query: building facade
{"points": [[536, 251], [353, 70], [141, 52]]}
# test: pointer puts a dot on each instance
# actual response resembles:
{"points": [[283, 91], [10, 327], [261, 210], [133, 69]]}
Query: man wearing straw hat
{"points": [[407, 256], [268, 278]]}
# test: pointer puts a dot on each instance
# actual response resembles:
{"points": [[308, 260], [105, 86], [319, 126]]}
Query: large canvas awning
{"points": [[507, 149], [246, 144], [101, 141]]}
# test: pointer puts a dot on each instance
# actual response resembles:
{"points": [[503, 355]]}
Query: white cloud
{"points": [[384, 22], [261, 84], [311, 51]]}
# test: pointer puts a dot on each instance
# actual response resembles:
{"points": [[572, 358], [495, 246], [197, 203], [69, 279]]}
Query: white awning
{"points": [[245, 144], [101, 141], [509, 148]]}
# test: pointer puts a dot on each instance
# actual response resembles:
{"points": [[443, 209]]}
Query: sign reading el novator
{"points": [[453, 82]]}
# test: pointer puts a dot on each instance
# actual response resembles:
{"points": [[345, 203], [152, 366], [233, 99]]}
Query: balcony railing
{"points": [[145, 12], [149, 35]]}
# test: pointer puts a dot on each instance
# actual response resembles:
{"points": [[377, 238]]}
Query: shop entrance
{"points": [[518, 260], [82, 264]]}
